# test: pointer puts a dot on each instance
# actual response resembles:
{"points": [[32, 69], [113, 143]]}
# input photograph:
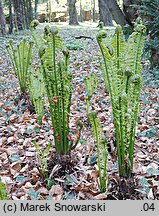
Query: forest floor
{"points": [[19, 127]]}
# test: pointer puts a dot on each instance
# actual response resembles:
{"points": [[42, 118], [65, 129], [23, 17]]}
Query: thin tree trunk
{"points": [[72, 12], [36, 8], [2, 20], [93, 10], [19, 16], [29, 12], [10, 17], [81, 11], [117, 13], [104, 13], [25, 9]]}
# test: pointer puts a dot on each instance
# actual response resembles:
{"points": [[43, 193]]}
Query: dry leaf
{"points": [[29, 154], [142, 155], [25, 168], [16, 166], [15, 198], [101, 196], [43, 190], [12, 150], [28, 185], [56, 190], [8, 108], [10, 139]]}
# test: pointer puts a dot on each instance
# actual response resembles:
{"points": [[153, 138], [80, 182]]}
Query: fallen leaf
{"points": [[101, 196], [28, 185], [12, 150], [29, 154], [43, 190], [142, 155], [16, 166], [8, 108], [56, 190], [25, 168], [10, 139]]}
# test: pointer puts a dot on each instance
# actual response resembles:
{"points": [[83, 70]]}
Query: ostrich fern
{"points": [[37, 92], [20, 55], [58, 83], [100, 140], [123, 78]]}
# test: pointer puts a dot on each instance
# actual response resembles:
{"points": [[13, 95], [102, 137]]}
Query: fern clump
{"points": [[58, 83], [122, 75], [100, 139], [37, 92], [42, 156], [21, 55]]}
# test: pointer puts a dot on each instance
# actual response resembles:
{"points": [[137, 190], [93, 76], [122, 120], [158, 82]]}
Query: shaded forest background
{"points": [[16, 15]]}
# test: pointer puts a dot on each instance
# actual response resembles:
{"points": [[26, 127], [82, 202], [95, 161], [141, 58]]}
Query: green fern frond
{"points": [[43, 156], [21, 55], [58, 83], [37, 92], [122, 75]]}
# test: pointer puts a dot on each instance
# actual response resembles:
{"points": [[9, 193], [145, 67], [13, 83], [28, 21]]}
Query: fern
{"points": [[58, 82], [42, 156], [91, 85], [100, 140], [35, 34], [101, 146], [20, 55], [37, 92], [122, 75]]}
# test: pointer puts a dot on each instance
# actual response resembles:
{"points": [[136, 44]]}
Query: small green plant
{"points": [[74, 45], [101, 146], [58, 83], [3, 191], [37, 92], [100, 140], [20, 55], [42, 156], [91, 85], [122, 75]]}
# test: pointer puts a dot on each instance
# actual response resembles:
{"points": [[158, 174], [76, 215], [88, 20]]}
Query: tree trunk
{"points": [[25, 13], [72, 12], [19, 16], [93, 10], [81, 12], [116, 12], [10, 17], [29, 12], [36, 8], [130, 12], [104, 13], [2, 20]]}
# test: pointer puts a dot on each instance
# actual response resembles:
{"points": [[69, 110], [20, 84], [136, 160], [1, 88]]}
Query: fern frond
{"points": [[37, 92], [58, 82], [122, 75]]}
